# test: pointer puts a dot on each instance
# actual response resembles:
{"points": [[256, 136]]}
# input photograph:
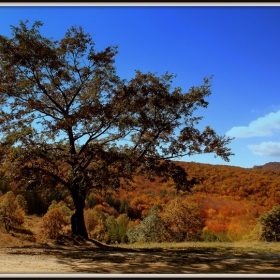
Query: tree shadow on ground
{"points": [[86, 258], [199, 261]]}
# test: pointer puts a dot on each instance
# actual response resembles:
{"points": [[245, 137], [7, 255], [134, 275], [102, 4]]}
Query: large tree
{"points": [[67, 119]]}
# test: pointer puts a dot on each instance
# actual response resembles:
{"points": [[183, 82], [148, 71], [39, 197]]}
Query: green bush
{"points": [[151, 229], [209, 236], [91, 201], [255, 234], [270, 222], [116, 229], [63, 209], [214, 237]]}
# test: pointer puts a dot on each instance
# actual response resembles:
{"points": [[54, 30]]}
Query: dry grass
{"points": [[27, 235], [222, 247]]}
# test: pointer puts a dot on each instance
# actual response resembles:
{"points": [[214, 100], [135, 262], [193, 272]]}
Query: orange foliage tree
{"points": [[53, 223], [183, 220]]}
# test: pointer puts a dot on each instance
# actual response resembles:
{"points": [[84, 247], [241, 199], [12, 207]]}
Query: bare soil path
{"points": [[94, 260]]}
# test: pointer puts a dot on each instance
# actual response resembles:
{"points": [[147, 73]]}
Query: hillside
{"points": [[260, 186], [229, 198], [268, 166]]}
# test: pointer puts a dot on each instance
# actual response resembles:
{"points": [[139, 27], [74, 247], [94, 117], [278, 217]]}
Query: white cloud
{"points": [[264, 126], [266, 149]]}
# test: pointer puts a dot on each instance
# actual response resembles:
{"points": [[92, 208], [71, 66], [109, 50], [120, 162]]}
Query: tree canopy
{"points": [[67, 118]]}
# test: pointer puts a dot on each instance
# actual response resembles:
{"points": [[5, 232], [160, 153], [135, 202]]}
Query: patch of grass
{"points": [[222, 247]]}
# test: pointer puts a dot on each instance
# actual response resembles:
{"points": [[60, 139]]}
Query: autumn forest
{"points": [[224, 204], [97, 155]]}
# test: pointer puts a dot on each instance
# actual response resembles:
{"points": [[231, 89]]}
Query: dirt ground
{"points": [[20, 253], [94, 260]]}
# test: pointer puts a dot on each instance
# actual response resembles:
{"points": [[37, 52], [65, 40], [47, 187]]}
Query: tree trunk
{"points": [[77, 219]]}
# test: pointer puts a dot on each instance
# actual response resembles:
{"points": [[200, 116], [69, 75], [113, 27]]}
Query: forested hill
{"points": [[269, 166], [229, 198], [258, 189], [258, 184]]}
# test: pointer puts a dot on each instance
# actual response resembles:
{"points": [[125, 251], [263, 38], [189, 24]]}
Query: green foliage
{"points": [[65, 211], [58, 194], [62, 208], [255, 234], [123, 221], [91, 201], [116, 229], [270, 222], [214, 237], [109, 200], [123, 206], [180, 221], [267, 227], [151, 229], [112, 230], [209, 236], [11, 214]]}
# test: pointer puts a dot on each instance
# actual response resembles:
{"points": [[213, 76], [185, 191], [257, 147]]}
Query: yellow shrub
{"points": [[53, 224]]}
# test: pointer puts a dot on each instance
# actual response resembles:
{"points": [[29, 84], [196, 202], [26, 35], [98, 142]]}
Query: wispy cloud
{"points": [[266, 149], [271, 108], [264, 126]]}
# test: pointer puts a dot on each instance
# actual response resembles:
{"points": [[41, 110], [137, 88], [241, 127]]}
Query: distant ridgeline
{"points": [[269, 166]]}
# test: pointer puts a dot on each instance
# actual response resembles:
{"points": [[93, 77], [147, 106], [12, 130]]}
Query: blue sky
{"points": [[239, 45]]}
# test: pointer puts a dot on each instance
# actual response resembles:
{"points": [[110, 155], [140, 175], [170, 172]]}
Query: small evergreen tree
{"points": [[112, 230], [91, 201], [270, 222], [123, 221], [123, 206]]}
